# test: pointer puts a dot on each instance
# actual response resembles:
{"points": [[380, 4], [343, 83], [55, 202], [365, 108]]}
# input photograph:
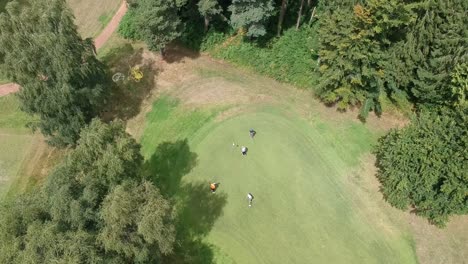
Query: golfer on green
{"points": [[250, 197]]}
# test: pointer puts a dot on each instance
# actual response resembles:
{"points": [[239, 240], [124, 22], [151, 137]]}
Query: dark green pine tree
{"points": [[356, 46], [158, 22], [251, 15], [425, 165], [435, 45], [62, 81]]}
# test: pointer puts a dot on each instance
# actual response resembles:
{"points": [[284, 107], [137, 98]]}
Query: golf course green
{"points": [[303, 212]]}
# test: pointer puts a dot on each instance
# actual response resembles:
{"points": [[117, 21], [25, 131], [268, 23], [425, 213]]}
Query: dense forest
{"points": [[97, 207]]}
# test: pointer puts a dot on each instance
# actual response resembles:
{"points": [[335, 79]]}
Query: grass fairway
{"points": [[303, 211]]}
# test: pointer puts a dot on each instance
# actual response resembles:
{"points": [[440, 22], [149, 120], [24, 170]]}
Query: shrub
{"points": [[127, 27]]}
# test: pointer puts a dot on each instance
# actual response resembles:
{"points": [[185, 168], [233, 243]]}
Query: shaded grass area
{"points": [[168, 159], [127, 95], [295, 171]]}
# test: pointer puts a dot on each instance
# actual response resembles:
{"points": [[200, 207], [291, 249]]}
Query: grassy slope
{"points": [[15, 140], [294, 169]]}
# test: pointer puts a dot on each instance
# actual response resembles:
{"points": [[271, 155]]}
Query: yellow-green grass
{"points": [[303, 211], [25, 158], [15, 140], [14, 148], [92, 16]]}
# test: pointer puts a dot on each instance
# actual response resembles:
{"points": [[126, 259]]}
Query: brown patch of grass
{"points": [[432, 244]]}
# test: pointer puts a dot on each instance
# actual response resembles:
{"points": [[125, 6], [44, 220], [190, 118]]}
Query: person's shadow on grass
{"points": [[197, 208]]}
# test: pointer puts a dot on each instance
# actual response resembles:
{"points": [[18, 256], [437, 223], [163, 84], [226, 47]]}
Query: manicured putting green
{"points": [[302, 211]]}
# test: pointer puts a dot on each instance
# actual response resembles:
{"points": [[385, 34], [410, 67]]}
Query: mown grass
{"points": [[93, 16], [15, 140], [296, 172], [10, 114]]}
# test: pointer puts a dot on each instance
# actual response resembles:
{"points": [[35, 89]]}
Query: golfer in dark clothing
{"points": [[252, 133]]}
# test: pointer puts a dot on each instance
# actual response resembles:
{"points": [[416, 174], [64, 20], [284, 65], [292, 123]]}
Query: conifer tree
{"points": [[158, 22], [355, 46], [62, 81], [425, 165], [434, 46]]}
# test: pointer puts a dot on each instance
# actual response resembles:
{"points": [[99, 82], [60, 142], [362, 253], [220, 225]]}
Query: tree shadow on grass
{"points": [[176, 53], [168, 164], [127, 95], [197, 208]]}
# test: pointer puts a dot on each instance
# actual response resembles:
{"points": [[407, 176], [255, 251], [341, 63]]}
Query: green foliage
{"points": [[425, 166], [127, 26], [251, 15], [434, 46], [62, 81], [459, 85], [356, 65], [89, 206], [287, 59], [208, 8], [137, 223], [104, 157], [157, 22]]}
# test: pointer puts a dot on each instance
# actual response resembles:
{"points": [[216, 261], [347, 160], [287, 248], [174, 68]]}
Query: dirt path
{"points": [[8, 88], [111, 27]]}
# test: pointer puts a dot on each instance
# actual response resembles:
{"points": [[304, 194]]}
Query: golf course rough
{"points": [[302, 211]]}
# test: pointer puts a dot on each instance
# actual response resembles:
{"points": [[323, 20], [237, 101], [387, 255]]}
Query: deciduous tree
{"points": [[62, 81], [208, 8], [137, 223]]}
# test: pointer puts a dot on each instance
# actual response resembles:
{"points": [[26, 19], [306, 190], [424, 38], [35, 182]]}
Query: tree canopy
{"points": [[158, 22], [425, 165], [93, 208], [251, 15], [62, 81]]}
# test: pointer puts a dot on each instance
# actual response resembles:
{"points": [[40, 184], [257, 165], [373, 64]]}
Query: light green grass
{"points": [[303, 211], [15, 140], [13, 150], [10, 114]]}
